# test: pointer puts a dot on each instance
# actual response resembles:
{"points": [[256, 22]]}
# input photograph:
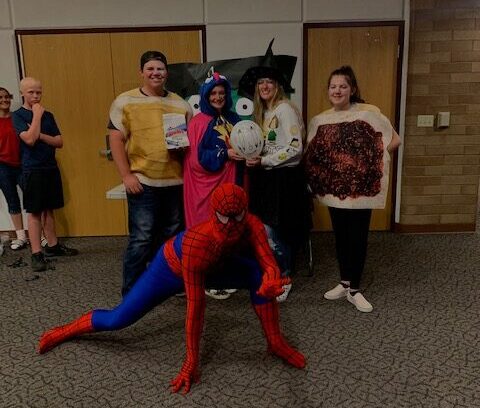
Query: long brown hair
{"points": [[347, 72]]}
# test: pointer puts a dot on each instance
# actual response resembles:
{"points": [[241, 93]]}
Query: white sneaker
{"points": [[218, 294], [359, 301], [286, 291], [18, 244], [337, 292], [231, 291]]}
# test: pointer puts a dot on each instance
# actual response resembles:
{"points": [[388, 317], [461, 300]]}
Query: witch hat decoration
{"points": [[186, 78], [279, 67]]}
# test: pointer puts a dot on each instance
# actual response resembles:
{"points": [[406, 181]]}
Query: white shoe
{"points": [[359, 301], [231, 291], [218, 294], [18, 244], [43, 242], [286, 291], [337, 292]]}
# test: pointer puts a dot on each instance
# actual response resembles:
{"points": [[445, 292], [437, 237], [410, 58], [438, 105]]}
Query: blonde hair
{"points": [[260, 106], [27, 81]]}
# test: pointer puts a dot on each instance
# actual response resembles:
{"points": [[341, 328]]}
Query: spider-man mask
{"points": [[229, 206]]}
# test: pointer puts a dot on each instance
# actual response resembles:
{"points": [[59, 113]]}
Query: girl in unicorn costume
{"points": [[210, 161]]}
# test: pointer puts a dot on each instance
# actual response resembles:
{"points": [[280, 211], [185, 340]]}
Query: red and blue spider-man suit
{"points": [[202, 255]]}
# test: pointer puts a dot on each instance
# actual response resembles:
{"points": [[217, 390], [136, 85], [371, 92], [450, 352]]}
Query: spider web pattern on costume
{"points": [[269, 319], [230, 200], [59, 334], [202, 247], [190, 256]]}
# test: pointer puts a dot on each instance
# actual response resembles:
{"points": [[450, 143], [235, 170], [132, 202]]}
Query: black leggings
{"points": [[351, 239]]}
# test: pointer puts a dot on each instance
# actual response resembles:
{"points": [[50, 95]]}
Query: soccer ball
{"points": [[246, 139]]}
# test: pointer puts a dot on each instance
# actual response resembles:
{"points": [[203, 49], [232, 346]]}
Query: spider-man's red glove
{"points": [[272, 288], [188, 374]]}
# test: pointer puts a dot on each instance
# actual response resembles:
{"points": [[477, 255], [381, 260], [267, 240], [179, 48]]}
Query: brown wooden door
{"points": [[372, 52], [76, 73], [81, 74], [178, 46]]}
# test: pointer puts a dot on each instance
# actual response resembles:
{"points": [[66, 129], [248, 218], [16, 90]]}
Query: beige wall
{"points": [[112, 13], [328, 10], [221, 11], [441, 167], [241, 28], [287, 37]]}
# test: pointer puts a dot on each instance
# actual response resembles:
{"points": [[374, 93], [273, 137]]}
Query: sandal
{"points": [[18, 244]]}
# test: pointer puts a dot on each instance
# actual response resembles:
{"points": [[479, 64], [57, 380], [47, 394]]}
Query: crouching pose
{"points": [[202, 256]]}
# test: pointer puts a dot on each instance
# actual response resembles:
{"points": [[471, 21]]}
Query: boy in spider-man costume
{"points": [[202, 255]]}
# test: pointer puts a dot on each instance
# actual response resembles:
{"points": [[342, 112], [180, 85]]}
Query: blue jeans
{"points": [[154, 215], [10, 177], [281, 250]]}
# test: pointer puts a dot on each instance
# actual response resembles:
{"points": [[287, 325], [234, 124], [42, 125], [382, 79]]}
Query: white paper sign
{"points": [[175, 129]]}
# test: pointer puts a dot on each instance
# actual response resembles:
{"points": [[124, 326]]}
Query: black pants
{"points": [[351, 239]]}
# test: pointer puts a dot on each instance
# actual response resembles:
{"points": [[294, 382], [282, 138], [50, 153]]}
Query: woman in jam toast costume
{"points": [[347, 164]]}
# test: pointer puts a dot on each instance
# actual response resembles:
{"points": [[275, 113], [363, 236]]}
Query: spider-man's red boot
{"points": [[268, 315], [57, 335]]}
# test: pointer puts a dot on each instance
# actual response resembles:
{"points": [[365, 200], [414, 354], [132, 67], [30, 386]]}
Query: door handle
{"points": [[106, 152]]}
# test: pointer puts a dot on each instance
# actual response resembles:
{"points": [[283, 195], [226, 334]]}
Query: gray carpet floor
{"points": [[418, 348]]}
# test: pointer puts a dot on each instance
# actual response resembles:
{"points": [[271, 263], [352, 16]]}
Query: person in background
{"points": [[42, 182], [151, 174], [347, 165], [210, 161], [10, 171], [277, 189]]}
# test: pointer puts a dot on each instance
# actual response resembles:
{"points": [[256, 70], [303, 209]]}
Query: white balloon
{"points": [[246, 139]]}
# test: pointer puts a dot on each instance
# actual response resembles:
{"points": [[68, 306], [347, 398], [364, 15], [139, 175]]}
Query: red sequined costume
{"points": [[186, 262]]}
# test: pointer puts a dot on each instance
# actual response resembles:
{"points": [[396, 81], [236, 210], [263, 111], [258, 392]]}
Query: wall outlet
{"points": [[443, 119], [425, 120]]}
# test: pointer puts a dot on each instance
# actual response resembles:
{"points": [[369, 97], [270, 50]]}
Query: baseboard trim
{"points": [[433, 228]]}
